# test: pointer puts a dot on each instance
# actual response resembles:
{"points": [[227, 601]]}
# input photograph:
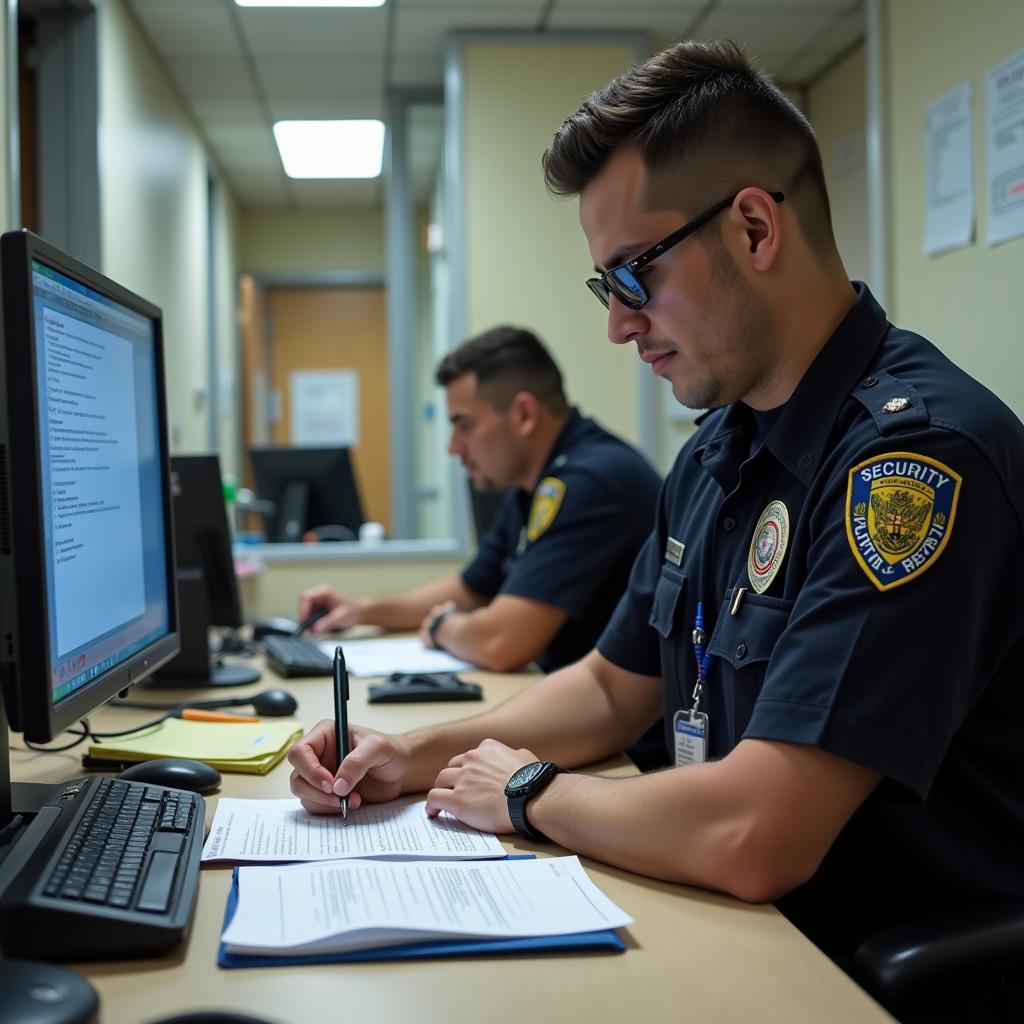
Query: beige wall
{"points": [[311, 241], [966, 301], [836, 106], [153, 199], [526, 256]]}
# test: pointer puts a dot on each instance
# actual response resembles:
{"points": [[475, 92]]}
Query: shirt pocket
{"points": [[668, 600], [749, 637]]}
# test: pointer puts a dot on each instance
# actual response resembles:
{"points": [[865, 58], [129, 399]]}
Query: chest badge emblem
{"points": [[547, 500], [899, 514], [768, 546]]}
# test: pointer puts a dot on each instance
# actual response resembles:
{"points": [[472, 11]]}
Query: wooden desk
{"points": [[692, 955]]}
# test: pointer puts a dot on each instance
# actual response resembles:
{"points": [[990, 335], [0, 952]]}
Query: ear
{"points": [[755, 218], [524, 413]]}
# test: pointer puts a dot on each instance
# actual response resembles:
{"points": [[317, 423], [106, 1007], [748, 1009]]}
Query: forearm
{"points": [[406, 610], [572, 717]]}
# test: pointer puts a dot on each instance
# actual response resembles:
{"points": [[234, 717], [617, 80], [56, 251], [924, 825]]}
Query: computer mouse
{"points": [[212, 1017], [37, 993], [175, 773], [274, 625], [274, 703]]}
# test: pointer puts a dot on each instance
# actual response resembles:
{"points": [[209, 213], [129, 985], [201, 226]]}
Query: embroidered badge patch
{"points": [[768, 546], [547, 500], [899, 514]]}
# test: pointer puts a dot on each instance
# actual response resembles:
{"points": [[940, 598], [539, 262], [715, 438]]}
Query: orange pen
{"points": [[199, 715]]}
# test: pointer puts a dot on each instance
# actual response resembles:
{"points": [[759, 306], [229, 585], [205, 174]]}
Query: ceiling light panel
{"points": [[331, 149]]}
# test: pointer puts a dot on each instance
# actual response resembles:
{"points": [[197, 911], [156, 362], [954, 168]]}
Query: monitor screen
{"points": [[88, 586], [202, 539], [311, 489]]}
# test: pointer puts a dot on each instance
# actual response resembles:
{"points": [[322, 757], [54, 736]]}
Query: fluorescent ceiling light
{"points": [[331, 149], [310, 3]]}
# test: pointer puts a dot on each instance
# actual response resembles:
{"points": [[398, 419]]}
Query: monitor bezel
{"points": [[26, 649]]}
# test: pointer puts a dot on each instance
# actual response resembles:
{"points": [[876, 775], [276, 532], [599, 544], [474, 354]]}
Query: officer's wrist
{"points": [[435, 624]]}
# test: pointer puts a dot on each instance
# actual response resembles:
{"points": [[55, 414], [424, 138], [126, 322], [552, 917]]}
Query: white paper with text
{"points": [[253, 831], [331, 908]]}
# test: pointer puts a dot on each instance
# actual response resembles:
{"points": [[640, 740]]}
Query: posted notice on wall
{"points": [[949, 179], [1005, 150], [324, 407]]}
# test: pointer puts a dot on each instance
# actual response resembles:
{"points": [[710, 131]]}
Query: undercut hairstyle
{"points": [[506, 361], [706, 123]]}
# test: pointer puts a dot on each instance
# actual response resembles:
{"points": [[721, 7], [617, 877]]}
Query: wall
{"points": [[836, 106], [525, 254], [311, 241], [153, 198], [966, 301]]}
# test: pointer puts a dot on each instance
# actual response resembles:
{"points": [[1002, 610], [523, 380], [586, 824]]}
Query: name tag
{"points": [[691, 737]]}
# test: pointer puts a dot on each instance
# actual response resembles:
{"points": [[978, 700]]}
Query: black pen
{"points": [[341, 716]]}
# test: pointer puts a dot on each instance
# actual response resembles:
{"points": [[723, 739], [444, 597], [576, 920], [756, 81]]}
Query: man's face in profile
{"points": [[482, 437]]}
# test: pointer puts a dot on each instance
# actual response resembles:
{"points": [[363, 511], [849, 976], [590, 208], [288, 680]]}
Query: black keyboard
{"points": [[107, 869], [293, 656]]}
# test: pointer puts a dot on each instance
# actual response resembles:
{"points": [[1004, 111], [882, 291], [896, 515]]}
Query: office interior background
{"points": [[138, 136]]}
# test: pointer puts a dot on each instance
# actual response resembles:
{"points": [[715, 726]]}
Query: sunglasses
{"points": [[623, 281]]}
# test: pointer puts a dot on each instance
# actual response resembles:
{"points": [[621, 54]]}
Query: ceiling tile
{"points": [[842, 34], [423, 32], [337, 192], [315, 32], [675, 21], [205, 79], [322, 79], [427, 71], [190, 32], [225, 110], [766, 31], [786, 6], [311, 108], [237, 134]]}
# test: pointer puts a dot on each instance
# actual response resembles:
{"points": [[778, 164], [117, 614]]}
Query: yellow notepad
{"points": [[253, 748]]}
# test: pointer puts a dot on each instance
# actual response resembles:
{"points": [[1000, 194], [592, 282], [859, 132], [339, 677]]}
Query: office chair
{"points": [[954, 966]]}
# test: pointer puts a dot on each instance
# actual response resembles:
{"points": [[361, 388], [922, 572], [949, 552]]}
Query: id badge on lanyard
{"points": [[690, 727]]}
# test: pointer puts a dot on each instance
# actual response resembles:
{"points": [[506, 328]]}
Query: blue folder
{"points": [[604, 941]]}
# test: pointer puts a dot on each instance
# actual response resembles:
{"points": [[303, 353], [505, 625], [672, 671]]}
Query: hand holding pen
{"points": [[341, 716]]}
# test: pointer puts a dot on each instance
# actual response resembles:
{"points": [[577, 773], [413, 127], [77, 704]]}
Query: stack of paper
{"points": [[381, 656], [253, 748], [303, 910]]}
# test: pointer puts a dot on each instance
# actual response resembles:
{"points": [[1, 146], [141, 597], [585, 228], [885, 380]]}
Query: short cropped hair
{"points": [[706, 123], [507, 360]]}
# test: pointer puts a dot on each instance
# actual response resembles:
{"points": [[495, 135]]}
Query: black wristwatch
{"points": [[526, 783], [435, 624]]}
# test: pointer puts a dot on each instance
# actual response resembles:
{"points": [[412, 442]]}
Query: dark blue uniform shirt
{"points": [[893, 632], [580, 562]]}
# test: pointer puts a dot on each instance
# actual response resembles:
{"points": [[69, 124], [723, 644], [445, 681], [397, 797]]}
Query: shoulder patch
{"points": [[547, 500], [900, 509]]}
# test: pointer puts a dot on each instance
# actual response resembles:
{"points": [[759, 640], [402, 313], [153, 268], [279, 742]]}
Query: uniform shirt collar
{"points": [[799, 435], [565, 440]]}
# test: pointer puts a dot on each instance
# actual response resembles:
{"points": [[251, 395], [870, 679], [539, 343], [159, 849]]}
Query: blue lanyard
{"points": [[703, 658]]}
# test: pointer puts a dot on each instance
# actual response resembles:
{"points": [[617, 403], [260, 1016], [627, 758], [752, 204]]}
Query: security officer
{"points": [[829, 607], [580, 504]]}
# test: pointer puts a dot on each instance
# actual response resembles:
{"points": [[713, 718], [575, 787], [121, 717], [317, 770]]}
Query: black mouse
{"points": [[274, 703], [36, 993], [211, 1017], [274, 625], [175, 773]]}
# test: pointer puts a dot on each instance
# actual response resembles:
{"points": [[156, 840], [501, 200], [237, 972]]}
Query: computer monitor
{"points": [[310, 488], [205, 570], [87, 595]]}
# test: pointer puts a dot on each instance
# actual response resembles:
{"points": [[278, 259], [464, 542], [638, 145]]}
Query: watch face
{"points": [[526, 774]]}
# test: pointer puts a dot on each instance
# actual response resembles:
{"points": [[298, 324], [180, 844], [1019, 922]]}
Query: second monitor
{"points": [[312, 489]]}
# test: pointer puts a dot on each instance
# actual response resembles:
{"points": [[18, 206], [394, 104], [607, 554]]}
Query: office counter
{"points": [[692, 955]]}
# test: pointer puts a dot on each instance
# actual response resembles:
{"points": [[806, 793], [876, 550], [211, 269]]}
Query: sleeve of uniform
{"points": [[568, 557], [880, 662], [485, 573]]}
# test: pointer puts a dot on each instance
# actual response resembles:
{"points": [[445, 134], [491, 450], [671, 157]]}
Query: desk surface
{"points": [[691, 954]]}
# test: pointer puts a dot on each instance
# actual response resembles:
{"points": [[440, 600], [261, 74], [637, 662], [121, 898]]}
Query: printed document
{"points": [[332, 908], [384, 655], [280, 830]]}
